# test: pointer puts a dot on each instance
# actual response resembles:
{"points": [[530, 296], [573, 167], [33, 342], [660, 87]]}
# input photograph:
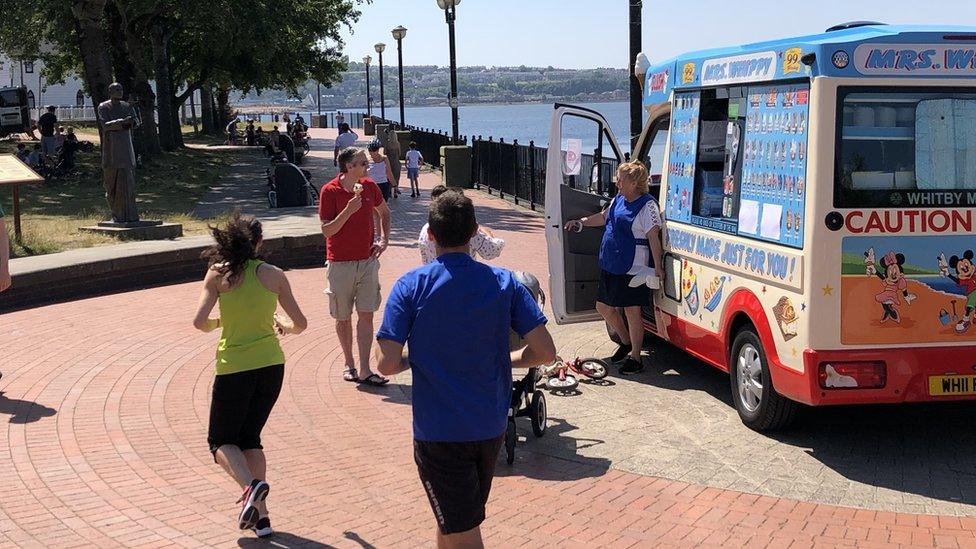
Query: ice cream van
{"points": [[818, 196]]}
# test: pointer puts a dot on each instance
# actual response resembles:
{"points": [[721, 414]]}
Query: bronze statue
{"points": [[117, 119]]}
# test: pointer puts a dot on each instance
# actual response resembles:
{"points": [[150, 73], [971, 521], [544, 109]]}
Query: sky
{"points": [[593, 33]]}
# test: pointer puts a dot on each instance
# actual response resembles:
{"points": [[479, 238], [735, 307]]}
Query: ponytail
{"points": [[234, 246]]}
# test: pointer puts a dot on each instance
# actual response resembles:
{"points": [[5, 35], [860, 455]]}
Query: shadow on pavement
{"points": [[391, 392], [533, 459], [283, 540], [669, 368], [353, 536], [924, 449], [24, 411]]}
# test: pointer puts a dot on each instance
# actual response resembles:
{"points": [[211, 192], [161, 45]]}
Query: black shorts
{"points": [[614, 290], [457, 478], [386, 189], [240, 406]]}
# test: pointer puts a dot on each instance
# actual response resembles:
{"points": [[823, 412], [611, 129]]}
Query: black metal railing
{"points": [[513, 170], [518, 171]]}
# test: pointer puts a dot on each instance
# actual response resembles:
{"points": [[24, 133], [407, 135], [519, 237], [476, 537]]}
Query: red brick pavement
{"points": [[106, 444]]}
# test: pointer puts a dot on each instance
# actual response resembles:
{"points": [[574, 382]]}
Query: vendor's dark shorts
{"points": [[387, 191], [457, 478], [614, 291], [240, 406]]}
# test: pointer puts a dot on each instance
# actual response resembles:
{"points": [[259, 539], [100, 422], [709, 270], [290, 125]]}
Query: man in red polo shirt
{"points": [[347, 207]]}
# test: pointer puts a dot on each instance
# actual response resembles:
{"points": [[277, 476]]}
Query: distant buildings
{"points": [[70, 97], [28, 73]]}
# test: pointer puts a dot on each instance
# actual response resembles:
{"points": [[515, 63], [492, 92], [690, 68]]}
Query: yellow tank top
{"points": [[248, 340]]}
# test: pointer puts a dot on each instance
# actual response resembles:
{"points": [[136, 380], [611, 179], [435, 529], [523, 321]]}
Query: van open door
{"points": [[581, 173]]}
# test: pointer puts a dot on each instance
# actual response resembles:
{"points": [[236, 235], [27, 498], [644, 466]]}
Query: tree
{"points": [[183, 46]]}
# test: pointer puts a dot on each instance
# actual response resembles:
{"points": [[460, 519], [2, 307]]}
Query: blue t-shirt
{"points": [[455, 315]]}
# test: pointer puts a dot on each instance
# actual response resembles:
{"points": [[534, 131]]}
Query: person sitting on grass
{"points": [[22, 153], [36, 158]]}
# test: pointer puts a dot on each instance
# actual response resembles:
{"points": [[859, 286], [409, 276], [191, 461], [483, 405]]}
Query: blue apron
{"points": [[619, 245]]}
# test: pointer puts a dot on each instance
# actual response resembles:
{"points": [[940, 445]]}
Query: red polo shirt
{"points": [[354, 241]]}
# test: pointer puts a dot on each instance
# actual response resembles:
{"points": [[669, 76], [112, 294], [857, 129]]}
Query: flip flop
{"points": [[350, 375], [375, 380]]}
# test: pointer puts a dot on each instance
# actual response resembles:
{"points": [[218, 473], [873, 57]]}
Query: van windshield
{"points": [[905, 147]]}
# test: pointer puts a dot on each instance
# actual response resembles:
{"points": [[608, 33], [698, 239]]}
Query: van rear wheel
{"points": [[760, 407]]}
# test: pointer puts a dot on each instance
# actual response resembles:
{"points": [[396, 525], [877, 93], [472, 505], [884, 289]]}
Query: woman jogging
{"points": [[379, 169], [250, 362]]}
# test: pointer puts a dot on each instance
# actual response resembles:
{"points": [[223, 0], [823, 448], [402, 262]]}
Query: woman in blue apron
{"points": [[631, 244]]}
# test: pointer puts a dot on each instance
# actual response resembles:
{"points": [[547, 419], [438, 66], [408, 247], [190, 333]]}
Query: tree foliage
{"points": [[182, 45]]}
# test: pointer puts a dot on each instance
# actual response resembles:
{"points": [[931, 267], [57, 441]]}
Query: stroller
{"points": [[526, 399], [289, 186]]}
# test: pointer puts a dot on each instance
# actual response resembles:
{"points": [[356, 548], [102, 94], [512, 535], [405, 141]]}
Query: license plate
{"points": [[952, 385]]}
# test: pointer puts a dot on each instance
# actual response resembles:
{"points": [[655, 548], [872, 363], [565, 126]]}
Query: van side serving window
{"points": [[905, 147], [737, 161]]}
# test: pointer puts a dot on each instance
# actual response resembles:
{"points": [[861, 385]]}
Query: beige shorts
{"points": [[353, 283]]}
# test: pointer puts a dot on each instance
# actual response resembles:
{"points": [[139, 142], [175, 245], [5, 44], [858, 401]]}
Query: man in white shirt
{"points": [[347, 138], [414, 161]]}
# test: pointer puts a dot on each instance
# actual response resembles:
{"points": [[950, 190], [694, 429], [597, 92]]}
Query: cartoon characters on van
{"points": [[965, 277], [689, 286], [894, 287], [924, 281], [870, 263]]}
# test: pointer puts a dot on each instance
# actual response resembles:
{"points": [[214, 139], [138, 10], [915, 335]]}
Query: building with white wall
{"points": [[70, 97]]}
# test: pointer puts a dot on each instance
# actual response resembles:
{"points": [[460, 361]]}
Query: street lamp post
{"points": [[398, 34], [450, 12], [379, 49], [369, 102]]}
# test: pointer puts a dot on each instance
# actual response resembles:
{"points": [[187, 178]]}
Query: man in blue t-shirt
{"points": [[456, 314]]}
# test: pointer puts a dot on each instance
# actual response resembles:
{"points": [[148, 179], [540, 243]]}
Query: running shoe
{"points": [[631, 367], [257, 491], [622, 352], [263, 528]]}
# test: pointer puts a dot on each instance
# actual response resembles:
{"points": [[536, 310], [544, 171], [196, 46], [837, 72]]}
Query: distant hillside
{"points": [[430, 85]]}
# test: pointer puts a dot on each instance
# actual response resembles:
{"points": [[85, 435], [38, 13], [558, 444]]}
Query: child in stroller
{"points": [[526, 399]]}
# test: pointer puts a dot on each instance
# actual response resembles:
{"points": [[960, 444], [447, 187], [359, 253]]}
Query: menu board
{"points": [[15, 172], [774, 170], [681, 157]]}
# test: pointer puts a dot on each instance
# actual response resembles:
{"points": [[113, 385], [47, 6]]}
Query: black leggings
{"points": [[240, 406]]}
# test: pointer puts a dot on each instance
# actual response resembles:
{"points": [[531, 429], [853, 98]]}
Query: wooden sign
{"points": [[15, 172]]}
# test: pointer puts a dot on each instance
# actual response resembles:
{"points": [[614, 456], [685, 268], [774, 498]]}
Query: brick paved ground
{"points": [[107, 402]]}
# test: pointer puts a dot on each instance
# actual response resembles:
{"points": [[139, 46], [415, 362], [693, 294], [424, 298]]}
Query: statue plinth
{"points": [[137, 230]]}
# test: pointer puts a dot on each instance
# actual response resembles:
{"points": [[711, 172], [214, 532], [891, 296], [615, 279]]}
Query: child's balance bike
{"points": [[563, 376]]}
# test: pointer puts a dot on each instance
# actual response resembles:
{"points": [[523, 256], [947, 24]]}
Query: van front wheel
{"points": [[760, 407]]}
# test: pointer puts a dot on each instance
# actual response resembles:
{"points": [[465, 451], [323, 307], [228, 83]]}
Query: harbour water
{"points": [[525, 122]]}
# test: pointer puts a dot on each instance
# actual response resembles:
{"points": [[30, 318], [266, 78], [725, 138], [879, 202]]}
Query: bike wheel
{"points": [[510, 437], [593, 368], [568, 384], [539, 414]]}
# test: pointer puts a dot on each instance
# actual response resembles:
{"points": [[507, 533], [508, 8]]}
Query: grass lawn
{"points": [[168, 188]]}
